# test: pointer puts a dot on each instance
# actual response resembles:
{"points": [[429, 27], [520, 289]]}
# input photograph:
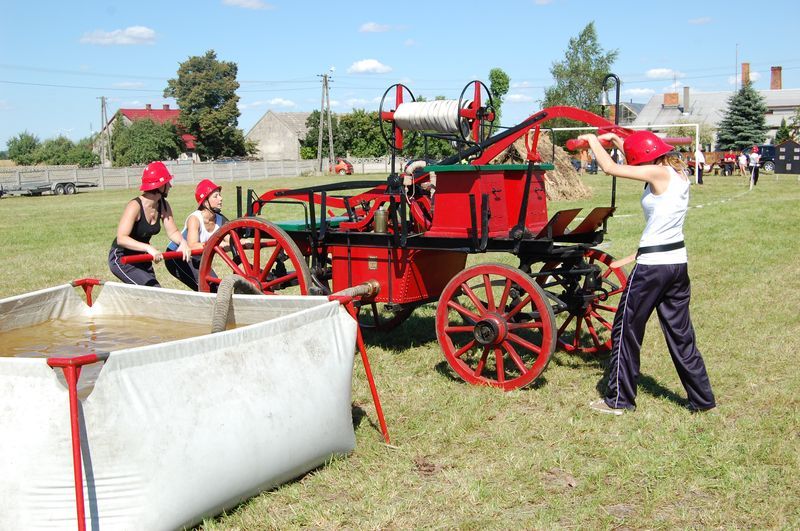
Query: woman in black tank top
{"points": [[140, 221]]}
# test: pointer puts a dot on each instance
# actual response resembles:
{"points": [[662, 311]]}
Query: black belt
{"points": [[660, 248]]}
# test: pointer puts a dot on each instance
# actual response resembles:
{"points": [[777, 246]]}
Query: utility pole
{"points": [[325, 107], [105, 136]]}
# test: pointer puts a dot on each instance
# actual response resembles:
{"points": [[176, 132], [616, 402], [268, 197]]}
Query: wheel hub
{"points": [[490, 330]]}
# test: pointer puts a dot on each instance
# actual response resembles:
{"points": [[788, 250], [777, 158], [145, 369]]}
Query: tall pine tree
{"points": [[744, 123]]}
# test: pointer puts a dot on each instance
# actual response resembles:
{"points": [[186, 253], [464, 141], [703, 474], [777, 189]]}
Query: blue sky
{"points": [[58, 58]]}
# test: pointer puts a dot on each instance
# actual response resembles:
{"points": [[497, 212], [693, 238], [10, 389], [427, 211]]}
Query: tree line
{"points": [[205, 91]]}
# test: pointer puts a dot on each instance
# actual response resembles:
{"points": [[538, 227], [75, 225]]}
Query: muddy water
{"points": [[66, 338]]}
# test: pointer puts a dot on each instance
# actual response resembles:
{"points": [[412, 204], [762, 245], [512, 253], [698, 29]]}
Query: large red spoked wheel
{"points": [[269, 258], [587, 329], [495, 326]]}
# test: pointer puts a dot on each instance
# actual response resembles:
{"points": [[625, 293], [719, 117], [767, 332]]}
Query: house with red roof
{"points": [[160, 116]]}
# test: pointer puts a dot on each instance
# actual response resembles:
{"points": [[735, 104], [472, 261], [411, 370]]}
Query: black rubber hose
{"points": [[224, 301]]}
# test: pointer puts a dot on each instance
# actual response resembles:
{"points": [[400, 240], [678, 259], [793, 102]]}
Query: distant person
{"points": [[584, 158], [742, 163], [755, 159], [197, 230], [140, 221], [700, 161], [660, 279]]}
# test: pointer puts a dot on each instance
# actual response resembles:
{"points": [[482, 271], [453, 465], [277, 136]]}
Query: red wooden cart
{"points": [[497, 324]]}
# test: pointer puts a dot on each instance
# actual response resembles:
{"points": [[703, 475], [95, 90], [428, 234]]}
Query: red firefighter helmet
{"points": [[643, 146], [155, 175], [204, 188], [755, 149]]}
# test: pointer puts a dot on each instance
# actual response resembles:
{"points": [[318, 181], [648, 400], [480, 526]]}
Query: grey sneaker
{"points": [[601, 406]]}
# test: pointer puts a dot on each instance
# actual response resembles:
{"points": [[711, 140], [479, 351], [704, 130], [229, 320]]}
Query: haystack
{"points": [[561, 183]]}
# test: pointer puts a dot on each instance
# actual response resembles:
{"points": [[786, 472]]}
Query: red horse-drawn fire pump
{"points": [[412, 233]]}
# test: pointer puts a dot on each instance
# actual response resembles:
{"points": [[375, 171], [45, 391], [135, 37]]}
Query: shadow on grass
{"points": [[649, 385], [414, 331], [444, 368]]}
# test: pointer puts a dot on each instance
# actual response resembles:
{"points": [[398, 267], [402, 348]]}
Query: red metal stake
{"points": [[373, 389], [72, 371]]}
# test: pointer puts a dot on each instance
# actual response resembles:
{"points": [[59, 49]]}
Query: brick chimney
{"points": [[745, 73], [147, 106], [775, 81], [670, 99], [165, 107], [686, 108]]}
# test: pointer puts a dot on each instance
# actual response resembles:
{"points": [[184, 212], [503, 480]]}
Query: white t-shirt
{"points": [[742, 159], [664, 215], [754, 158], [699, 157]]}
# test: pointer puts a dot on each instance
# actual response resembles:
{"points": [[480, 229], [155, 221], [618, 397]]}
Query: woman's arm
{"points": [[173, 233], [193, 233]]}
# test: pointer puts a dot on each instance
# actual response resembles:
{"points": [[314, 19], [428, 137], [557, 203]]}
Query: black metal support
{"points": [[616, 122]]}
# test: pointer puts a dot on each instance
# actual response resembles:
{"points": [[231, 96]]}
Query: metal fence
{"points": [[120, 178]]}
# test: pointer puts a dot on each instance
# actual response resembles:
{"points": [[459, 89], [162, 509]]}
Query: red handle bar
{"points": [[144, 257], [574, 144]]}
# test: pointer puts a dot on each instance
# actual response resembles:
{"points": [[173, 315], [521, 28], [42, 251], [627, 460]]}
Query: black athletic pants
{"points": [[666, 289], [141, 274]]}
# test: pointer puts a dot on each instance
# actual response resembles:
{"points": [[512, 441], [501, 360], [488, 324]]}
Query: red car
{"points": [[342, 167]]}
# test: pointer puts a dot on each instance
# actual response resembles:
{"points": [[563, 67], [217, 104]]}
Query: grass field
{"points": [[472, 458]]}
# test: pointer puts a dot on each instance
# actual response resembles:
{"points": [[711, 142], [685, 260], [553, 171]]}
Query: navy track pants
{"points": [[665, 288]]}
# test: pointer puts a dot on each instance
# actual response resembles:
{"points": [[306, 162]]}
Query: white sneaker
{"points": [[601, 406]]}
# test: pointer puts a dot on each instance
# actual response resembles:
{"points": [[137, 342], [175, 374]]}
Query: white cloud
{"points": [[754, 76], [374, 27], [368, 66], [357, 103], [522, 84], [4, 105], [129, 84], [700, 21], [542, 2], [248, 4], [335, 103], [127, 36], [639, 92], [519, 98], [409, 42], [280, 102], [663, 73]]}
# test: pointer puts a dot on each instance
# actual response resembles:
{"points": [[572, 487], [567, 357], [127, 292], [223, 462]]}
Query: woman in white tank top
{"points": [[199, 227], [660, 279]]}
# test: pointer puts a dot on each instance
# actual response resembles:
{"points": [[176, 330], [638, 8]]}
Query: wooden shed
{"points": [[787, 157]]}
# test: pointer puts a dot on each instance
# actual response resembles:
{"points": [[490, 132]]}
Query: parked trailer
{"points": [[41, 187]]}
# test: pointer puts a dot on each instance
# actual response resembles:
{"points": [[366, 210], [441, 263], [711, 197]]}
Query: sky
{"points": [[58, 58]]}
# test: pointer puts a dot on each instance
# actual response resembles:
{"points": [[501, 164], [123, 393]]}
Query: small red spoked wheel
{"points": [[375, 316], [270, 259], [495, 326], [587, 330]]}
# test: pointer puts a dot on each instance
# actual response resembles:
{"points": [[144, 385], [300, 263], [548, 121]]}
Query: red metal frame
{"points": [[87, 284]]}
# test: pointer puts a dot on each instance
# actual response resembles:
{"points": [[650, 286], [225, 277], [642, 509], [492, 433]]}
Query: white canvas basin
{"points": [[177, 431]]}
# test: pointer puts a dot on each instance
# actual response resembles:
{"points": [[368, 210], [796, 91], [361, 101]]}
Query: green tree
{"points": [[82, 154], [744, 123], [54, 151], [22, 147], [794, 125], [499, 83], [143, 141], [579, 77], [205, 91], [360, 135], [308, 146], [784, 133]]}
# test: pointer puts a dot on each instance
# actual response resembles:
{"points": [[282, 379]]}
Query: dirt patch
{"points": [[427, 468], [560, 479]]}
